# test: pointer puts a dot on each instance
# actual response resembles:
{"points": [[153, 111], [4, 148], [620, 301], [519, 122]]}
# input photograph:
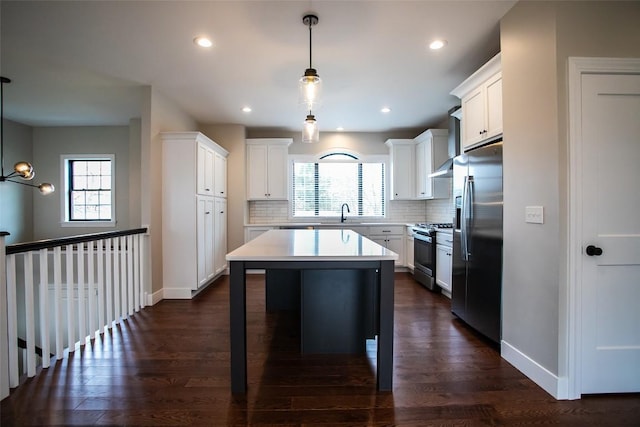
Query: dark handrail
{"points": [[62, 241]]}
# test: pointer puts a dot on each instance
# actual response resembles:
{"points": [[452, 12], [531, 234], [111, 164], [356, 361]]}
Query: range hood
{"points": [[445, 170]]}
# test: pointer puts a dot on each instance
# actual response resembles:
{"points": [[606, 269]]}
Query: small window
{"points": [[89, 185]]}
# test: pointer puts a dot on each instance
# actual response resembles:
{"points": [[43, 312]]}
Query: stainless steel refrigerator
{"points": [[476, 294]]}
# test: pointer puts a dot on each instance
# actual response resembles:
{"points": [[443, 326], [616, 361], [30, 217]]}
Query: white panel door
{"points": [[610, 289]]}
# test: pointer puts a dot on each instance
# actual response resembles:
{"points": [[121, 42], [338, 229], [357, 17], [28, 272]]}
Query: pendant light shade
{"points": [[310, 83], [22, 170], [310, 133]]}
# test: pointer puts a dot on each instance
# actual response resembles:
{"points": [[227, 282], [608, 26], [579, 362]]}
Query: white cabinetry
{"points": [[409, 248], [267, 168], [402, 159], [444, 242], [481, 98], [193, 231], [431, 152], [251, 233], [391, 237]]}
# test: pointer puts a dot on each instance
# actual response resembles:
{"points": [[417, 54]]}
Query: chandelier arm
{"points": [[7, 179]]}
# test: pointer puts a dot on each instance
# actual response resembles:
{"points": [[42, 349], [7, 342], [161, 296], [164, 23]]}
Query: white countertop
{"points": [[311, 245]]}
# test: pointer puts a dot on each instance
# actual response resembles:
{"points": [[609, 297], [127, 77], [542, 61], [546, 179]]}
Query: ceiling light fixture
{"points": [[246, 109], [22, 170], [310, 83], [203, 41], [385, 110], [437, 44]]}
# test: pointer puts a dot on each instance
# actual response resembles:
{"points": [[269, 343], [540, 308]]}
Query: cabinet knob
{"points": [[207, 213], [593, 250]]}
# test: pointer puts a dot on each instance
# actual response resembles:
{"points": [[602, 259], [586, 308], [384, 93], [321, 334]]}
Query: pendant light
{"points": [[310, 83], [310, 132], [22, 170]]}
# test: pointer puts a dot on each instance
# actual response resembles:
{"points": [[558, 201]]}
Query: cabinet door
{"points": [[494, 106], [277, 172], [220, 172], [220, 246], [403, 177], [205, 170], [396, 244], [204, 233], [424, 166], [443, 267], [408, 253], [473, 119], [256, 172]]}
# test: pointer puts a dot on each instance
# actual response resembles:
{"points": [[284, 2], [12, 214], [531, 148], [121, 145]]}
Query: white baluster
{"points": [[57, 296], [101, 302], [29, 312], [116, 280], [136, 271], [130, 274], [123, 277], [91, 284], [44, 308], [12, 322], [4, 352], [71, 340], [82, 321], [108, 284]]}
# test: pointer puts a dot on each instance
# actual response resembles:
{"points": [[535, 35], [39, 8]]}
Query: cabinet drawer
{"points": [[445, 239], [386, 230]]}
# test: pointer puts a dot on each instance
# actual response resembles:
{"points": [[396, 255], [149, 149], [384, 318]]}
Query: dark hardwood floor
{"points": [[169, 365]]}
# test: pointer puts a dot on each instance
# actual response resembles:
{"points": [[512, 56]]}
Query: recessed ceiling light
{"points": [[203, 41], [385, 110], [437, 44], [339, 128], [246, 109]]}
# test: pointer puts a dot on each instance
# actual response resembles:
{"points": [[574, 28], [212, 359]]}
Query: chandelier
{"points": [[21, 170]]}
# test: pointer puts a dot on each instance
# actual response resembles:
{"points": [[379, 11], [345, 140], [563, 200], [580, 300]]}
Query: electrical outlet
{"points": [[534, 214]]}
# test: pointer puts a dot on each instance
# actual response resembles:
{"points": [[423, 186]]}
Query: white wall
{"points": [[16, 201], [49, 143], [537, 38]]}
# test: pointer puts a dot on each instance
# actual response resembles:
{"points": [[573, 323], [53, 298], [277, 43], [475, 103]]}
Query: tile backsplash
{"points": [[441, 210]]}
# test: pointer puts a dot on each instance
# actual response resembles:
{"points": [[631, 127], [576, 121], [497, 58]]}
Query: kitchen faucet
{"points": [[342, 217]]}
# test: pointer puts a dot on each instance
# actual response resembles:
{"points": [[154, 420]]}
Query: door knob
{"points": [[593, 250]]}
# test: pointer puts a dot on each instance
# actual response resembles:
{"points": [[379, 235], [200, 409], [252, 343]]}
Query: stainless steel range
{"points": [[424, 253]]}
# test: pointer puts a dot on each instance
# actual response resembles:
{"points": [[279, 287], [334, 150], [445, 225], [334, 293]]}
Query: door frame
{"points": [[571, 311]]}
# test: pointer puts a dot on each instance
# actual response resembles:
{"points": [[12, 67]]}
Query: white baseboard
{"points": [[547, 380], [154, 298], [176, 293]]}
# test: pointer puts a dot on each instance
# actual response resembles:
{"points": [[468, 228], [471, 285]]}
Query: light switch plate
{"points": [[534, 214]]}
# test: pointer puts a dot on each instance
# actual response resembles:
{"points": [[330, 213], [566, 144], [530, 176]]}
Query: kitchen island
{"points": [[322, 259]]}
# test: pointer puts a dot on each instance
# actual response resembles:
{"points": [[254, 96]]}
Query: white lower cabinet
{"points": [[391, 237], [251, 233], [220, 244], [205, 236], [409, 249], [444, 258]]}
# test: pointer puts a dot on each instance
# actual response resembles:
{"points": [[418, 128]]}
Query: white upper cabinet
{"points": [[481, 99], [267, 168], [402, 156], [431, 152], [220, 175], [205, 169]]}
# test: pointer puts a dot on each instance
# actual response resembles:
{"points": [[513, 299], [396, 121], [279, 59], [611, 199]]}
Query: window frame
{"points": [[350, 157], [65, 202]]}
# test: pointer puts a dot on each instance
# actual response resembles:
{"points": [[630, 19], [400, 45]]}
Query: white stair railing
{"points": [[57, 294]]}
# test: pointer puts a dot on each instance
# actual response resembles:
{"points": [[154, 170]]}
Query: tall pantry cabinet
{"points": [[194, 212]]}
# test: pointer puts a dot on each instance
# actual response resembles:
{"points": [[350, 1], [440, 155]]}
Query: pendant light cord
{"points": [[2, 126], [310, 44]]}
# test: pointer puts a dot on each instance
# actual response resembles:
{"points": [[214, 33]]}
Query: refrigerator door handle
{"points": [[469, 216], [464, 224]]}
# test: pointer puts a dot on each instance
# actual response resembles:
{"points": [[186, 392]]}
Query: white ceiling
{"points": [[84, 62]]}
